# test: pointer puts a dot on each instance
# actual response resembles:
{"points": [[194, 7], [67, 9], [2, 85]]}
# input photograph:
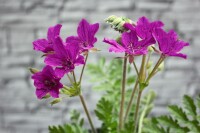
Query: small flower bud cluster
{"points": [[118, 22]]}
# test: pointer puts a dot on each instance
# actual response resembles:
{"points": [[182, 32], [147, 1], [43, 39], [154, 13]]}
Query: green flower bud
{"points": [[33, 70], [120, 26], [150, 49], [117, 21], [111, 18], [55, 101], [46, 96], [119, 39], [149, 64]]}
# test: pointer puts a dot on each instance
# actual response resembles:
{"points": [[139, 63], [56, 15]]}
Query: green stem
{"points": [[86, 57], [142, 69], [70, 79], [161, 59], [131, 100], [74, 76], [136, 68], [137, 110], [141, 119], [87, 113], [121, 113]]}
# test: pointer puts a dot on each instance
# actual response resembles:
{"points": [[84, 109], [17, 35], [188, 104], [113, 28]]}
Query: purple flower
{"points": [[144, 29], [65, 58], [169, 44], [86, 35], [129, 44], [46, 82], [46, 45]]}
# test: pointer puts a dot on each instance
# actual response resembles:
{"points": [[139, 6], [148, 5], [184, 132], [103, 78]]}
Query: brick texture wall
{"points": [[22, 21]]}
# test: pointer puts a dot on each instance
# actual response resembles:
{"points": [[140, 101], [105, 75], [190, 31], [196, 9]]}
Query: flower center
{"points": [[50, 83], [67, 63]]}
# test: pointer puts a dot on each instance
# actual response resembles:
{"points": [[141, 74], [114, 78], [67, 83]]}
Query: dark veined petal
{"points": [[60, 72], [59, 48], [94, 28], [42, 45], [115, 47], [73, 40], [86, 33], [178, 55], [129, 38], [53, 60], [53, 32], [54, 93], [73, 51], [40, 92], [80, 60], [129, 26]]}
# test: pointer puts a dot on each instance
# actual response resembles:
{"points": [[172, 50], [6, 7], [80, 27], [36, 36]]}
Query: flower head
{"points": [[86, 35], [46, 45], [65, 57], [45, 82], [169, 44], [129, 44], [144, 29]]}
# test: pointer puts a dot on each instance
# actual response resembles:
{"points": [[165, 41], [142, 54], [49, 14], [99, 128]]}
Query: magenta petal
{"points": [[115, 47], [80, 60], [54, 93], [129, 26], [94, 28], [129, 38], [73, 51], [40, 93], [83, 29], [60, 72], [73, 40], [53, 32], [178, 55], [53, 60], [59, 47], [41, 45]]}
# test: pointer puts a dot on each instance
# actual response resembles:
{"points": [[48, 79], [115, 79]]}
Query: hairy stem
{"points": [[131, 100], [135, 68], [136, 111], [71, 81], [74, 76], [86, 57], [161, 59], [87, 113], [142, 69], [121, 113]]}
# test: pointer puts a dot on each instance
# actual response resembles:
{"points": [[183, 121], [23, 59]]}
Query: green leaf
{"points": [[178, 113], [151, 126], [189, 106], [169, 122]]}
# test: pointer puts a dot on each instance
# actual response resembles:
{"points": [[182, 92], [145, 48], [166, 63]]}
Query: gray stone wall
{"points": [[22, 21]]}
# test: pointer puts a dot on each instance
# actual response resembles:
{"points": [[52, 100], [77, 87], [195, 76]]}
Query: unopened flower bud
{"points": [[117, 21], [46, 96], [120, 26], [161, 66], [111, 18], [149, 64], [118, 40], [56, 100], [33, 70], [150, 49]]}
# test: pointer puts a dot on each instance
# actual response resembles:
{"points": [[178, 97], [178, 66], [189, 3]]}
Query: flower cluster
{"points": [[61, 57], [136, 39]]}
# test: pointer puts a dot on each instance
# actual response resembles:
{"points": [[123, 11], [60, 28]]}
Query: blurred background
{"points": [[22, 21]]}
